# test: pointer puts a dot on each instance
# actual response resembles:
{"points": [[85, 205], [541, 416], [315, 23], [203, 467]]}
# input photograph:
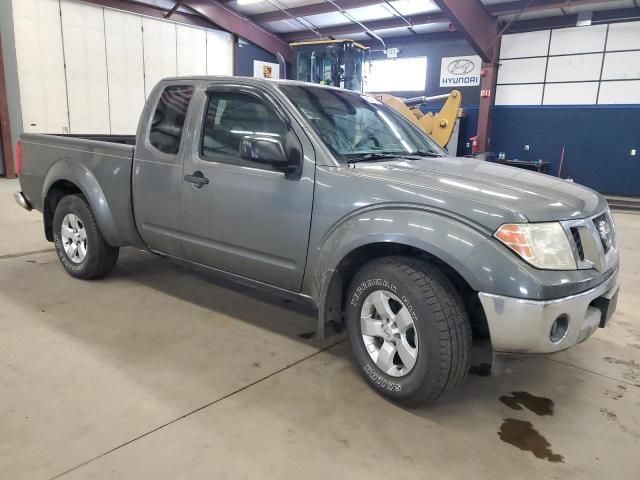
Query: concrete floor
{"points": [[160, 372]]}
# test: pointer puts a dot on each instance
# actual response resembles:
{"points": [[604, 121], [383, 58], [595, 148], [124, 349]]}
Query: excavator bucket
{"points": [[438, 126], [399, 106]]}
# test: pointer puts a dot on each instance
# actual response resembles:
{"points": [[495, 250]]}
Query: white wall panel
{"points": [[219, 53], [159, 51], [624, 36], [39, 52], [192, 50], [125, 70], [519, 95], [578, 40], [525, 70], [574, 68], [621, 65], [529, 44], [571, 93], [86, 61], [620, 92]]}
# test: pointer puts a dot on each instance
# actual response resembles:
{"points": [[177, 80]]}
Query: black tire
{"points": [[100, 257], [441, 325]]}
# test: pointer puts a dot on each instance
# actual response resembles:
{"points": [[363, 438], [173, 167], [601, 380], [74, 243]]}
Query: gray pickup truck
{"points": [[333, 198]]}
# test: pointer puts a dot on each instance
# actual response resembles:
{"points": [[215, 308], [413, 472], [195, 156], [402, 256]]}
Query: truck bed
{"points": [[99, 166], [122, 139]]}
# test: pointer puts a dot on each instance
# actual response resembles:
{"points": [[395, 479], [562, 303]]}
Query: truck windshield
{"points": [[358, 127]]}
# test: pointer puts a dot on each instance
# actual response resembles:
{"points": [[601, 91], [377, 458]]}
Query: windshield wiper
{"points": [[372, 157], [376, 156], [427, 153]]}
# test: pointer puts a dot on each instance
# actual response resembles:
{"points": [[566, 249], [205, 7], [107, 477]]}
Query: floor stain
{"points": [[612, 417], [482, 370], [616, 394], [632, 373], [538, 405], [522, 435], [307, 335]]}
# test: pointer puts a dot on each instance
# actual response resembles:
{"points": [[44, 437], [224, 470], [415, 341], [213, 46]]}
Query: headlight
{"points": [[543, 245]]}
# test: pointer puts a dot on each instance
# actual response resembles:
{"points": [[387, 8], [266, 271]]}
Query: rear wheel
{"points": [[408, 329], [80, 246]]}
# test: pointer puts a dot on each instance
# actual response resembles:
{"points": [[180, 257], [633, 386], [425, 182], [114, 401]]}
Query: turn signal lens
{"points": [[543, 245]]}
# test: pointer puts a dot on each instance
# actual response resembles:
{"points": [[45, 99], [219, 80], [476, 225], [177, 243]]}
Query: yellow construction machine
{"points": [[341, 63], [440, 126]]}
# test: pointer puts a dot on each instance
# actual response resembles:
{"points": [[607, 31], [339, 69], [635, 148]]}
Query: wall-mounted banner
{"points": [[460, 71], [266, 70]]}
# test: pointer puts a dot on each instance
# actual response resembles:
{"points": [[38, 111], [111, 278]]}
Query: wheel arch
{"points": [[69, 178], [351, 245]]}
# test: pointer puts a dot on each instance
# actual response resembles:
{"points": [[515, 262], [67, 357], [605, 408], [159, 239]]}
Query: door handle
{"points": [[197, 178]]}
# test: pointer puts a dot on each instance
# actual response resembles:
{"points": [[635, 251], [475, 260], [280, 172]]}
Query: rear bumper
{"points": [[21, 200], [523, 326]]}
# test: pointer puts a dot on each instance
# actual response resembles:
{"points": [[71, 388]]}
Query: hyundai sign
{"points": [[460, 71]]}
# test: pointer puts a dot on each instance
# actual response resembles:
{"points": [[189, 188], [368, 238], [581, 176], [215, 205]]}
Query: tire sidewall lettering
{"points": [[372, 372], [380, 381]]}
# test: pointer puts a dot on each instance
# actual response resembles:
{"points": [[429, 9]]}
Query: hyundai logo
{"points": [[461, 66]]}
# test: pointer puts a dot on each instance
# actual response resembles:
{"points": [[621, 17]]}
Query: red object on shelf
{"points": [[474, 144]]}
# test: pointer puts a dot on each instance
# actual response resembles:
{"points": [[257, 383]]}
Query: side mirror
{"points": [[263, 150]]}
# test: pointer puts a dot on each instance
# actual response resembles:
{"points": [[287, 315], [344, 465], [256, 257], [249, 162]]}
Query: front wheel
{"points": [[408, 329], [80, 246]]}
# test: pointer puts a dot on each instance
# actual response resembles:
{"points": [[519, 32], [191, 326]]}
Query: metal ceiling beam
{"points": [[237, 24], [313, 9], [563, 21], [475, 23], [341, 30], [152, 11], [417, 39], [175, 7], [508, 8]]}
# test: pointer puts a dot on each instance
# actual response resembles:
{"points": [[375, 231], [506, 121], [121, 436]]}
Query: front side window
{"points": [[168, 120], [353, 125], [232, 116]]}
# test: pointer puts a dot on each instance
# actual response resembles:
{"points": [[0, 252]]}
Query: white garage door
{"points": [[85, 57], [43, 92], [125, 70]]}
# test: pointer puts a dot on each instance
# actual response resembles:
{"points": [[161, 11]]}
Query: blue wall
{"points": [[597, 139], [245, 54]]}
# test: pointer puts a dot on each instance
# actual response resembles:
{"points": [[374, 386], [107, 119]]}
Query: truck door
{"points": [[239, 216], [157, 170]]}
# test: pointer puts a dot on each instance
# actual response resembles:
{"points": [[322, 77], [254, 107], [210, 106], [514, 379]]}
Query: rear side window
{"points": [[169, 117]]}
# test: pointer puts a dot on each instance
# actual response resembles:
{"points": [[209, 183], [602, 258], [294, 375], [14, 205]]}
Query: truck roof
{"points": [[252, 80]]}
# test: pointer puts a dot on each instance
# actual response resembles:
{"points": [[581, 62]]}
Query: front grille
{"points": [[593, 242], [575, 233]]}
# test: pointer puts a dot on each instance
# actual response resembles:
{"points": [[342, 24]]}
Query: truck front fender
{"points": [[70, 170], [446, 238]]}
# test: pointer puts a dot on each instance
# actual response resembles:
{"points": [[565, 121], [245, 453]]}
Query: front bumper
{"points": [[523, 326]]}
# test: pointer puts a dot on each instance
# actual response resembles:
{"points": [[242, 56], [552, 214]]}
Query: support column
{"points": [[487, 87], [5, 128]]}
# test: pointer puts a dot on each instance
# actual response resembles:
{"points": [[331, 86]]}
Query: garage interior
{"points": [[159, 371]]}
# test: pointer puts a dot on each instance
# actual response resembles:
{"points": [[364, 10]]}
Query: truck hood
{"points": [[526, 195]]}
